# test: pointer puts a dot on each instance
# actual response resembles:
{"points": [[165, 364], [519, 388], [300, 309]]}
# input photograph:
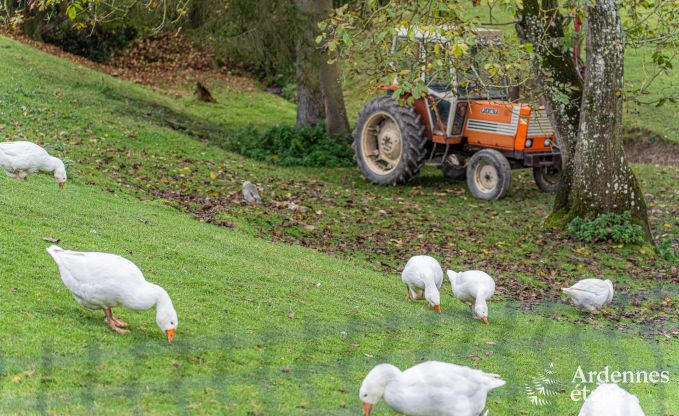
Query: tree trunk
{"points": [[603, 181], [310, 105], [319, 92], [541, 24], [336, 121]]}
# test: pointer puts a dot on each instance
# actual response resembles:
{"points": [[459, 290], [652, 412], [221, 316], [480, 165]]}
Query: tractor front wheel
{"points": [[548, 178], [389, 142], [489, 175]]}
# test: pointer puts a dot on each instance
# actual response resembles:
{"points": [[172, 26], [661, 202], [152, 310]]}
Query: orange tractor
{"points": [[478, 136]]}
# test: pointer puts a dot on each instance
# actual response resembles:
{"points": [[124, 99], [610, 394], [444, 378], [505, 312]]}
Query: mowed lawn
{"points": [[265, 328]]}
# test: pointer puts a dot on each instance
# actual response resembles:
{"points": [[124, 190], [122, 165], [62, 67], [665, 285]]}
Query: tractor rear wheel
{"points": [[389, 142], [489, 175], [453, 167], [548, 178]]}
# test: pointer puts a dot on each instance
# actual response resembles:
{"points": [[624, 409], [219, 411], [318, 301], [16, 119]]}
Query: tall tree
{"points": [[596, 176], [541, 24], [319, 91], [602, 179], [310, 108]]}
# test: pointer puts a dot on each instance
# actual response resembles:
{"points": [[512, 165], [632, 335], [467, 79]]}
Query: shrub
{"points": [[666, 250], [617, 228], [289, 146], [289, 92]]}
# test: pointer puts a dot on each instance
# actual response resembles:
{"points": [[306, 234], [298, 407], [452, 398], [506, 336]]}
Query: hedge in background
{"points": [[289, 146]]}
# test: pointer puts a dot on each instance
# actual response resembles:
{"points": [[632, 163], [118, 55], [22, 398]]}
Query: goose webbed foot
{"points": [[118, 322], [115, 323]]}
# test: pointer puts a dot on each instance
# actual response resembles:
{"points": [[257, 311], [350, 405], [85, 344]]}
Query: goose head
{"points": [[167, 322], [374, 384], [434, 299], [166, 316], [481, 312], [59, 171]]}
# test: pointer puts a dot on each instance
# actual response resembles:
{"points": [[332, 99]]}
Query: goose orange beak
{"points": [[170, 335], [485, 320], [437, 308], [366, 408], [61, 185]]}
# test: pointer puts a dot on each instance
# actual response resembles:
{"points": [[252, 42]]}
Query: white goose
{"points": [[473, 287], [423, 277], [432, 388], [20, 159], [104, 281], [611, 400], [590, 294]]}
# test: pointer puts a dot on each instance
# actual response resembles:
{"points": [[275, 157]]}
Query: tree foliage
{"points": [[86, 14], [455, 48], [362, 32], [259, 35]]}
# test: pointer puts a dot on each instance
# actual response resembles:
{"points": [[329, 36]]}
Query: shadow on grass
{"points": [[151, 111]]}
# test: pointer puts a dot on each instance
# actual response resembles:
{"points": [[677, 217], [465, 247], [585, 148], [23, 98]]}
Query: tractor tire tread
{"points": [[413, 140]]}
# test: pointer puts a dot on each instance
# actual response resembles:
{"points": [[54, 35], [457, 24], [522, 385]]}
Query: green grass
{"points": [[659, 120], [239, 350]]}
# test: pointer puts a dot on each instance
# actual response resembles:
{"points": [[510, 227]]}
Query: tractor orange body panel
{"points": [[490, 124]]}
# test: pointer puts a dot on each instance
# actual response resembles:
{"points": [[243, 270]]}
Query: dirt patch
{"points": [[656, 153]]}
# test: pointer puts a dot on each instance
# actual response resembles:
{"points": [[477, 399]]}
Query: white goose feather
{"points": [[590, 294], [474, 288], [104, 281], [423, 277], [611, 400], [432, 388], [20, 159]]}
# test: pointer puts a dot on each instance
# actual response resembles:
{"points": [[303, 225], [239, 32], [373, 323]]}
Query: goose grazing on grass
{"points": [[104, 281], [473, 287], [590, 294], [432, 388], [20, 159], [611, 400], [423, 277]]}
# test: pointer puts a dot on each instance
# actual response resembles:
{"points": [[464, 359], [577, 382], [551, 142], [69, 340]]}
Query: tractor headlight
{"points": [[529, 143], [548, 142]]}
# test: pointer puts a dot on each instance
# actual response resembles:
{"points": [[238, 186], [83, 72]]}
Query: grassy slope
{"points": [[237, 350], [660, 120]]}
